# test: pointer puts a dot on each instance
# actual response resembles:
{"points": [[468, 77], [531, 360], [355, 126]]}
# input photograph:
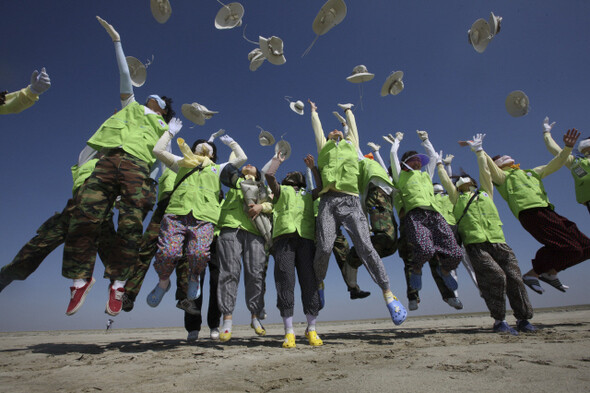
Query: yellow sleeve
{"points": [[320, 138], [485, 178], [18, 101], [353, 133], [498, 175], [554, 148], [553, 165], [448, 185]]}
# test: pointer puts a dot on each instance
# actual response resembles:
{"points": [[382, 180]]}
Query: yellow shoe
{"points": [[224, 336], [261, 331], [289, 341], [313, 338]]}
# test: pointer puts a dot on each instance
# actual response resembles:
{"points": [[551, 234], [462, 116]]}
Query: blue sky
{"points": [[451, 91]]}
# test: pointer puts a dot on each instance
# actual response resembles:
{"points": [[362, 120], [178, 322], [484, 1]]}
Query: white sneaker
{"points": [[193, 336], [344, 107], [412, 305], [214, 334]]}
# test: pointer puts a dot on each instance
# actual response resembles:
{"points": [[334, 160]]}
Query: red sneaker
{"points": [[78, 295], [115, 302]]}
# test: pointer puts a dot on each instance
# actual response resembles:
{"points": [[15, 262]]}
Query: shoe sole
{"points": [[555, 283], [81, 302]]}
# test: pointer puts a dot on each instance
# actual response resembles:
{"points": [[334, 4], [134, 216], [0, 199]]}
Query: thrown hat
{"points": [[229, 16], [256, 59], [494, 22], [284, 147], [297, 107], [265, 138], [360, 75], [137, 71], [331, 14], [197, 113], [272, 49], [393, 84], [517, 103], [161, 10], [479, 36]]}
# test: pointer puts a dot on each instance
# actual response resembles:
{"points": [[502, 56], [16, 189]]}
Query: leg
{"points": [[254, 257], [307, 281], [325, 236], [213, 312], [229, 252], [349, 272], [284, 251]]}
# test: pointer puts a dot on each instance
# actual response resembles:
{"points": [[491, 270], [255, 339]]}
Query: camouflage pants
{"points": [[341, 250], [116, 174], [383, 225], [50, 235]]}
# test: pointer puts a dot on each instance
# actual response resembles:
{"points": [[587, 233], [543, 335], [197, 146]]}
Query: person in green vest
{"points": [[22, 99], [494, 262], [578, 165], [427, 233], [294, 247], [126, 140], [340, 205], [563, 244]]}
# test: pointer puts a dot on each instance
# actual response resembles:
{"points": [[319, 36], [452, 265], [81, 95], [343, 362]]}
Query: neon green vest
{"points": [[198, 193], [523, 189], [293, 212], [133, 130], [166, 183], [481, 222], [416, 190], [80, 174], [368, 170], [445, 208], [232, 212], [581, 173], [338, 164], [397, 202]]}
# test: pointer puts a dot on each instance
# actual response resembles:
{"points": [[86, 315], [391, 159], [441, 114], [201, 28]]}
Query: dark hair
{"points": [[195, 143], [494, 158], [294, 179], [169, 111], [408, 154]]}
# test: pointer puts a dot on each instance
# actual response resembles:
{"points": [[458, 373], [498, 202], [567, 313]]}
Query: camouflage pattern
{"points": [[341, 249], [116, 174], [383, 225]]}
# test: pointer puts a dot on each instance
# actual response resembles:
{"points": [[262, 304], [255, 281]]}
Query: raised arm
{"points": [[18, 101], [311, 167], [447, 163], [274, 185], [446, 182], [393, 158], [238, 158], [320, 137], [161, 150], [551, 145], [125, 86], [375, 150], [430, 152], [485, 179], [569, 139]]}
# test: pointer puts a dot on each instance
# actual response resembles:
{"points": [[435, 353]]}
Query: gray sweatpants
{"points": [[233, 246], [338, 209]]}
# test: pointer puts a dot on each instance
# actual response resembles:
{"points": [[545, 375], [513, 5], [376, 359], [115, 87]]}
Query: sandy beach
{"points": [[443, 353]]}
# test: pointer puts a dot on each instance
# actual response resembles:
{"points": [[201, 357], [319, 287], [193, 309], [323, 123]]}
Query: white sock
{"points": [[310, 322], [497, 321], [288, 322], [119, 284], [227, 323], [256, 323], [79, 282]]}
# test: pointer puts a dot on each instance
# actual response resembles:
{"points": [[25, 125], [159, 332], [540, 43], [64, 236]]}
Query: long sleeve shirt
{"points": [[555, 149], [18, 101]]}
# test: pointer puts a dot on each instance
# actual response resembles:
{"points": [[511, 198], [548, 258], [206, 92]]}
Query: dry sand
{"points": [[441, 353]]}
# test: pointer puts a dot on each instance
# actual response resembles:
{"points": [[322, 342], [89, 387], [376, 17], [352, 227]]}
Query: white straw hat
{"points": [[137, 71], [360, 74], [272, 49], [494, 22], [297, 107], [393, 84], [256, 59], [283, 147], [197, 113], [331, 14], [161, 10], [265, 138], [479, 35], [517, 103], [229, 16]]}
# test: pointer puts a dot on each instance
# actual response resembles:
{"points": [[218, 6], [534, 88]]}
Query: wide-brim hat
{"points": [[265, 138], [137, 71], [423, 158], [229, 16], [256, 59], [479, 35], [517, 103], [197, 113], [161, 10], [283, 147], [331, 14], [393, 84], [272, 49], [494, 22], [297, 107], [360, 74]]}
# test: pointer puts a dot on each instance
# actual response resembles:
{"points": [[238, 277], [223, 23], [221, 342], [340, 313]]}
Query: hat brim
{"points": [[192, 114], [265, 45], [326, 19], [494, 23], [517, 103], [283, 147], [360, 77], [389, 87], [137, 71], [294, 108], [160, 14], [229, 16], [424, 160], [256, 62], [265, 138], [479, 35]]}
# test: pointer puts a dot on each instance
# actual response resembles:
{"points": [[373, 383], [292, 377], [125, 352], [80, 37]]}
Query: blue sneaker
{"points": [[503, 327], [322, 296], [194, 290], [416, 281], [449, 280], [156, 295], [397, 311], [525, 326]]}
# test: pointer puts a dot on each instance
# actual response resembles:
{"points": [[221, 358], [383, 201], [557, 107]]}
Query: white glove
{"points": [[216, 135], [174, 126], [399, 136], [389, 138], [110, 29], [546, 126], [477, 143], [226, 139], [448, 159], [39, 82], [374, 146], [422, 134]]}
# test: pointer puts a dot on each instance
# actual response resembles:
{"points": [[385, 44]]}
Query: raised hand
{"points": [[571, 137], [110, 29], [546, 126]]}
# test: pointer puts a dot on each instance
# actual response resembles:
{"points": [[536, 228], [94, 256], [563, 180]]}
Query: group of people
{"points": [[228, 215]]}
